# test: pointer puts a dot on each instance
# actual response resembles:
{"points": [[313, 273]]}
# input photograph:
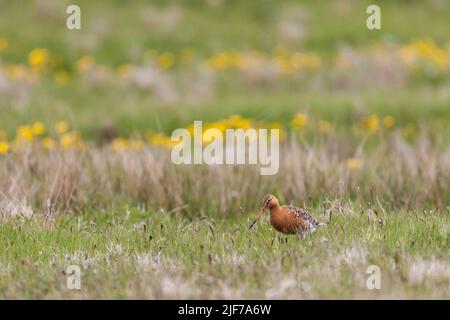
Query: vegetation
{"points": [[131, 253]]}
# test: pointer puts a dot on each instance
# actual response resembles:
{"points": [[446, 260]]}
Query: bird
{"points": [[288, 219]]}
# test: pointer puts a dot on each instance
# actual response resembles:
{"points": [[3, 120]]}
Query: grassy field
{"points": [[85, 171], [130, 253]]}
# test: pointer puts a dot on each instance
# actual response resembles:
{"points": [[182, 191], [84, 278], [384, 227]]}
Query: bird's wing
{"points": [[304, 215]]}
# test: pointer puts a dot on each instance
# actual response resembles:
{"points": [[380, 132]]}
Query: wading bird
{"points": [[288, 219]]}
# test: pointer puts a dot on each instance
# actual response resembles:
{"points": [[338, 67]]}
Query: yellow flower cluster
{"points": [[354, 163], [62, 137], [288, 63], [425, 50], [41, 61], [298, 61], [299, 120], [164, 141], [373, 123], [39, 58], [36, 133], [370, 123], [160, 140], [4, 147], [236, 122]]}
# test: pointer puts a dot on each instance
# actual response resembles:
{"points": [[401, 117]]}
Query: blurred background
{"points": [[143, 68]]}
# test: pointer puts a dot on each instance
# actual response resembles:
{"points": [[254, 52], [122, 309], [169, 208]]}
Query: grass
{"points": [[397, 173], [130, 253], [234, 24], [76, 107], [140, 227], [238, 26]]}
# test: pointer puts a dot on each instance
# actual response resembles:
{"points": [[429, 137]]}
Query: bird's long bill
{"points": [[257, 217]]}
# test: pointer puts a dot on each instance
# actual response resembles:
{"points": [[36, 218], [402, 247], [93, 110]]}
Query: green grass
{"points": [[121, 36], [341, 109], [223, 259], [234, 25]]}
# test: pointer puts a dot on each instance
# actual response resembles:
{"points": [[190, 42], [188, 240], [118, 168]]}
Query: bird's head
{"points": [[270, 201]]}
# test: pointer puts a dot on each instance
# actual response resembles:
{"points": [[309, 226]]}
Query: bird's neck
{"points": [[275, 209]]}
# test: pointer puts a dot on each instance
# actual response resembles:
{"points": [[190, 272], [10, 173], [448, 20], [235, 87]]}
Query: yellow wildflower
{"points": [[236, 121], [48, 143], [38, 128], [439, 58], [208, 135], [69, 139], [354, 163], [25, 133], [372, 123], [61, 127], [4, 147], [166, 60], [285, 65], [299, 120], [38, 57], [223, 60], [160, 139], [189, 128], [219, 125], [277, 125], [119, 145], [428, 50]]}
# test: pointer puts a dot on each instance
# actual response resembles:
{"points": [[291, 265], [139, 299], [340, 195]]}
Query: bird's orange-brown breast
{"points": [[284, 221]]}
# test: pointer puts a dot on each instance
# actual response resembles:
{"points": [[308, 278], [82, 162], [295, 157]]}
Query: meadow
{"points": [[86, 177]]}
